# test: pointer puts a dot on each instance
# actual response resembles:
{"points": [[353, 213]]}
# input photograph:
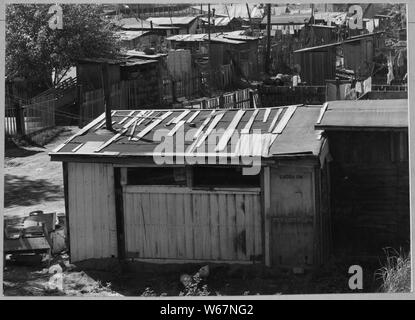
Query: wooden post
{"points": [[251, 99], [173, 90], [66, 198], [221, 101], [268, 51], [337, 89], [79, 99], [18, 113], [266, 188], [119, 214], [107, 95], [235, 103]]}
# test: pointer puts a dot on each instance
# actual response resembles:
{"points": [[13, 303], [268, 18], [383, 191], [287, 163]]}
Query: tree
{"points": [[34, 51]]}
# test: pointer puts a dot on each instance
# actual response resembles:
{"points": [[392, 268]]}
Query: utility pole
{"points": [[268, 49], [210, 63], [249, 15]]}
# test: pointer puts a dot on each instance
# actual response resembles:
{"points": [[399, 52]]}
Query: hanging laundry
{"points": [[390, 75], [291, 28], [359, 87], [401, 58], [347, 89], [376, 23], [295, 80], [367, 85], [351, 95], [370, 26]]}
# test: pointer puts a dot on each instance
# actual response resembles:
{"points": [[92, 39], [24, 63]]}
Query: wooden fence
{"points": [[39, 114], [382, 87], [239, 99], [24, 117], [272, 96], [92, 106]]}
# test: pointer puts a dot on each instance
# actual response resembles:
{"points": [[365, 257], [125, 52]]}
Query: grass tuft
{"points": [[396, 272]]}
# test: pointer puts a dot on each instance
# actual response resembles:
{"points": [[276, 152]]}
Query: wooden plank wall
{"points": [[91, 200], [370, 191], [184, 224]]}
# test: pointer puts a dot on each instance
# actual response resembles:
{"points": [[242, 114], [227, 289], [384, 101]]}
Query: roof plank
{"points": [[274, 121], [250, 122], [193, 116], [230, 130], [284, 120], [176, 127], [153, 124]]}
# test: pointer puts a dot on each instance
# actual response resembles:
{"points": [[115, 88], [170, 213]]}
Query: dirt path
{"points": [[32, 181]]}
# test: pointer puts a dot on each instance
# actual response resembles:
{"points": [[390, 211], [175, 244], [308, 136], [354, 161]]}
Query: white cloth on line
{"points": [[367, 85]]}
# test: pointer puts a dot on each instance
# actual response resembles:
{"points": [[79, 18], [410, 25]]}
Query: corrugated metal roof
{"points": [[173, 20], [237, 36], [234, 10], [364, 114], [266, 132], [289, 19], [137, 24], [348, 40], [218, 21], [198, 37], [130, 35]]}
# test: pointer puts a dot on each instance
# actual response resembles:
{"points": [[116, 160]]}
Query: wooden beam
{"points": [[181, 116], [153, 124], [115, 137], [193, 116]]}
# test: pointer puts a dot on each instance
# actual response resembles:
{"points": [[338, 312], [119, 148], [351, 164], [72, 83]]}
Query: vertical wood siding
{"points": [[184, 224], [91, 211]]}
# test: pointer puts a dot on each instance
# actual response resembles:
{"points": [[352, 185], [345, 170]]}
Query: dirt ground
{"points": [[33, 182]]}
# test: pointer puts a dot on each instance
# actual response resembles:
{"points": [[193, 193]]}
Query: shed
{"points": [[369, 174], [219, 23], [188, 24], [318, 63], [129, 196], [134, 39]]}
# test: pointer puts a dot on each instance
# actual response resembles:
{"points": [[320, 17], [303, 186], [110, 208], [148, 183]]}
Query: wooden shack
{"points": [[122, 202], [319, 63], [369, 174]]}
